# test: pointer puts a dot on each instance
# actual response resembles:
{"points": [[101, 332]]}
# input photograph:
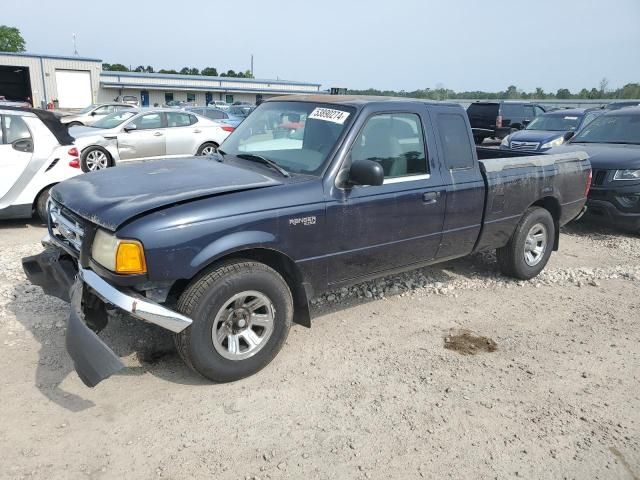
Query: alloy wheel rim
{"points": [[535, 244], [243, 326], [210, 150], [96, 160]]}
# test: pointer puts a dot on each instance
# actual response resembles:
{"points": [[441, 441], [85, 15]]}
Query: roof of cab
{"points": [[355, 100]]}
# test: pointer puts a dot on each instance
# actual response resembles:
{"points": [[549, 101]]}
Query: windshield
{"points": [[298, 136], [88, 109], [114, 119], [611, 129], [558, 123]]}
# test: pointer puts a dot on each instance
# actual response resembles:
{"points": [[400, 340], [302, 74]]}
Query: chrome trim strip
{"points": [[135, 304], [407, 178]]}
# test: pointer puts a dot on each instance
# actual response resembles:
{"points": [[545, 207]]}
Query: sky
{"points": [[396, 44]]}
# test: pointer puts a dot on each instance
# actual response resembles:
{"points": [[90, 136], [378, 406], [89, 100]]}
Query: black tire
{"points": [[207, 296], [41, 205], [206, 145], [478, 140], [87, 152], [512, 257], [74, 124]]}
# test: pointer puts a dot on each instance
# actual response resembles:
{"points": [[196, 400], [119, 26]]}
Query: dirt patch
{"points": [[465, 342]]}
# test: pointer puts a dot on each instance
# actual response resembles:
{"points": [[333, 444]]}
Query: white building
{"points": [[76, 82]]}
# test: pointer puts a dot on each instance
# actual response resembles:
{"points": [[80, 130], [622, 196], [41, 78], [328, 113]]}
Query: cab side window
{"points": [[14, 128], [395, 141], [178, 119], [456, 152], [148, 121]]}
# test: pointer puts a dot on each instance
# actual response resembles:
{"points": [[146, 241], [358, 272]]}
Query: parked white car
{"points": [[36, 152], [220, 104], [93, 113], [139, 134]]}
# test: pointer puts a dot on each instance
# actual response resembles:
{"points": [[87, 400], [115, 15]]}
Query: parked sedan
{"points": [[93, 113], [241, 110], [138, 134], [550, 129], [219, 104], [217, 115], [613, 144]]}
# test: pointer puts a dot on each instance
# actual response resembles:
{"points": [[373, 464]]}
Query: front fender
{"points": [[231, 243]]}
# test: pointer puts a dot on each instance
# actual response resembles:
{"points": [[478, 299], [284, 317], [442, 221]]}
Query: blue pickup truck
{"points": [[310, 193]]}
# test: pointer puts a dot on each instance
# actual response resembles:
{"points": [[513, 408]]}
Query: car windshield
{"points": [[298, 136], [619, 128], [88, 109], [558, 123], [114, 119]]}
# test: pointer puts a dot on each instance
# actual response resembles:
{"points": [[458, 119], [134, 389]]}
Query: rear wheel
{"points": [[74, 124], [208, 148], [241, 313], [95, 158], [530, 247], [41, 205]]}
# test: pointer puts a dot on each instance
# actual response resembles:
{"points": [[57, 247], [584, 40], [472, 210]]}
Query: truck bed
{"points": [[514, 178]]}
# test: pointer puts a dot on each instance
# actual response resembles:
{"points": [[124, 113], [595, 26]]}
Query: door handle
{"points": [[197, 131], [430, 197], [157, 134]]}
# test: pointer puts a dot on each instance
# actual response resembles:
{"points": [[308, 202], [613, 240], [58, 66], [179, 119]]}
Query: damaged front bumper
{"points": [[58, 275]]}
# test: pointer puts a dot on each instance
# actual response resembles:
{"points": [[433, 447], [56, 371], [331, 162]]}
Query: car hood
{"points": [[111, 197], [540, 136], [605, 156], [81, 131]]}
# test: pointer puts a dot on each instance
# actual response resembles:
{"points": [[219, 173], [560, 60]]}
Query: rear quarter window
{"points": [[455, 141], [510, 111], [483, 109]]}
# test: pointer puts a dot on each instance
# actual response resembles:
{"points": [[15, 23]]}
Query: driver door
{"points": [[16, 150], [143, 137]]}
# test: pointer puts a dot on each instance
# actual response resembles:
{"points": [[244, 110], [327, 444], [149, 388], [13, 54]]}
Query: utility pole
{"points": [[252, 65], [75, 48]]}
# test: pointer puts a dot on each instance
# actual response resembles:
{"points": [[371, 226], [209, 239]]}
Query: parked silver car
{"points": [[93, 113], [136, 134]]}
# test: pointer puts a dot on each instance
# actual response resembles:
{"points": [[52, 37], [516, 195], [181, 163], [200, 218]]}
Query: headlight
{"points": [[553, 143], [505, 141], [627, 175], [118, 255]]}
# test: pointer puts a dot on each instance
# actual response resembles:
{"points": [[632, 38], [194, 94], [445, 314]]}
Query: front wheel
{"points": [[95, 158], [530, 246], [41, 205], [241, 313]]}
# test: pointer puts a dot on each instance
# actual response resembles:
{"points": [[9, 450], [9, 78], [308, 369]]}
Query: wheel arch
{"points": [[275, 259], [552, 205]]}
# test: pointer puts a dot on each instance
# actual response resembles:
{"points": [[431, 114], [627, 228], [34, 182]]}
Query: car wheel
{"points": [[74, 124], [208, 148], [41, 205], [530, 246], [241, 313], [478, 140], [95, 158]]}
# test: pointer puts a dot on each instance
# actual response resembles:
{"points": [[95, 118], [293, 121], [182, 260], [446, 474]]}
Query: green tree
{"points": [[209, 71], [114, 67], [540, 94], [563, 93], [149, 69], [11, 39], [231, 73], [162, 70], [139, 68]]}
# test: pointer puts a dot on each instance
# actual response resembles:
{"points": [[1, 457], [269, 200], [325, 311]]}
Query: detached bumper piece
{"points": [[58, 275]]}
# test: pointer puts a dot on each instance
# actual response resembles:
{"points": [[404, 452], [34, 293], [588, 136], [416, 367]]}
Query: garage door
{"points": [[74, 88]]}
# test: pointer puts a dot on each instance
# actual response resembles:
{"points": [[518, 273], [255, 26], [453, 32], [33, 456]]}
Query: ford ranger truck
{"points": [[309, 194]]}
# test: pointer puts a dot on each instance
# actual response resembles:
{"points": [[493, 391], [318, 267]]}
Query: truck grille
{"points": [[598, 177], [524, 145], [64, 227]]}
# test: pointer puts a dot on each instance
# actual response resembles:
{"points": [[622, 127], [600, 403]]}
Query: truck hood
{"points": [[111, 197], [605, 156], [539, 136]]}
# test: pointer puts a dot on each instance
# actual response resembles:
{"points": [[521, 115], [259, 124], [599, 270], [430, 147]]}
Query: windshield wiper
{"points": [[265, 161]]}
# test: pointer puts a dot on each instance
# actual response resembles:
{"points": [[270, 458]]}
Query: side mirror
{"points": [[526, 122], [569, 135], [23, 145], [93, 114], [366, 172], [130, 128]]}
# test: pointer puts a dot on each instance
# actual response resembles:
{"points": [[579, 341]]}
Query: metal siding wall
{"points": [[35, 74]]}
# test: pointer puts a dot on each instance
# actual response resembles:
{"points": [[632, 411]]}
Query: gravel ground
{"points": [[448, 372]]}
